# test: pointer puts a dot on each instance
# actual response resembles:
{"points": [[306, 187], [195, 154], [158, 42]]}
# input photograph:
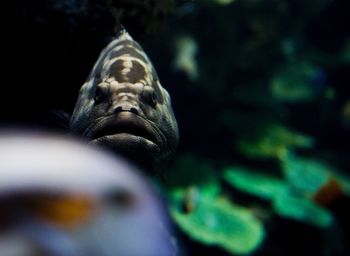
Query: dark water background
{"points": [[50, 48], [243, 48]]}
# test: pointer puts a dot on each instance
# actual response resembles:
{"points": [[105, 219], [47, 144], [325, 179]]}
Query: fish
{"points": [[53, 203], [123, 106]]}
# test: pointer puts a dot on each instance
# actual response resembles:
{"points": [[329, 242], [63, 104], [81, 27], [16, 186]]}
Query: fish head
{"points": [[123, 106]]}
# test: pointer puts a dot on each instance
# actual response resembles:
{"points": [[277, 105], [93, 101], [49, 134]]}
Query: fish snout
{"points": [[126, 98], [126, 106]]}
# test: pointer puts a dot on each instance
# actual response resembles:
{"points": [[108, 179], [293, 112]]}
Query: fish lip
{"points": [[124, 123]]}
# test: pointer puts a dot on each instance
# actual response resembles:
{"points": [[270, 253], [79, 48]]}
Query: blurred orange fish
{"points": [[60, 197]]}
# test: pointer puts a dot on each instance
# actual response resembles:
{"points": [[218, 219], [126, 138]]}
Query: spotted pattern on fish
{"points": [[123, 105]]}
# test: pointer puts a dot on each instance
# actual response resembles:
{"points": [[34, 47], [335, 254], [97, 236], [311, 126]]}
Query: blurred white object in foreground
{"points": [[59, 197]]}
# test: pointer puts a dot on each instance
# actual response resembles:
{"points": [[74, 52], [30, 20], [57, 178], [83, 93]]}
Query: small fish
{"points": [[123, 106]]}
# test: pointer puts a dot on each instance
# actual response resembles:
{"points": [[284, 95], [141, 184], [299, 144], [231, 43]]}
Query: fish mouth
{"points": [[124, 126]]}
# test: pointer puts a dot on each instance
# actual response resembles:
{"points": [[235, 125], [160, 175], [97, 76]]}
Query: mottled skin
{"points": [[123, 106]]}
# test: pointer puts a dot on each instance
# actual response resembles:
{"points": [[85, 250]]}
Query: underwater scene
{"points": [[227, 123]]}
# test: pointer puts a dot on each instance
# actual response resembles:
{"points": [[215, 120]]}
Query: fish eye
{"points": [[150, 96], [100, 93], [154, 99]]}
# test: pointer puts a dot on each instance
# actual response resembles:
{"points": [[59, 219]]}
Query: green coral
{"points": [[302, 210], [304, 175], [260, 185], [217, 222], [287, 197], [199, 211], [198, 208], [294, 84], [274, 141]]}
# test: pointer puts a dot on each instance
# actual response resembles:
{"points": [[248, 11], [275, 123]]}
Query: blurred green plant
{"points": [[273, 140], [262, 70], [288, 196], [254, 182], [305, 176], [186, 50], [216, 221], [295, 83], [302, 209], [200, 211], [199, 207]]}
